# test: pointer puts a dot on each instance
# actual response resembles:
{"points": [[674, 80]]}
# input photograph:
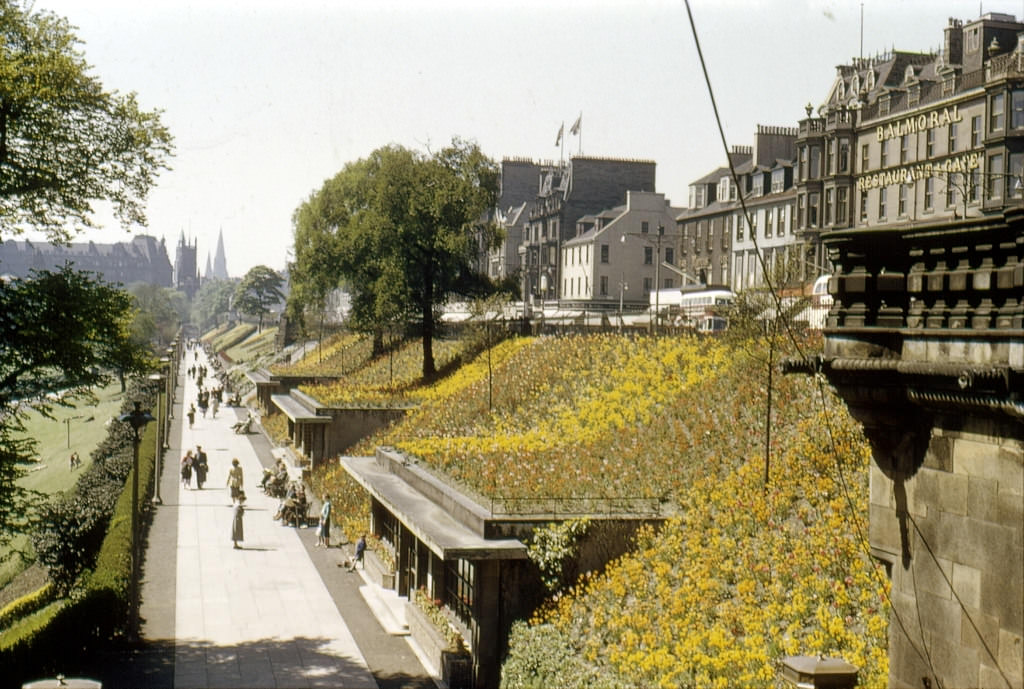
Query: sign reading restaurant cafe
{"points": [[900, 175]]}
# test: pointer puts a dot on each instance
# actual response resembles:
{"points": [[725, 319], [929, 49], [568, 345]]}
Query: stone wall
{"points": [[953, 533]]}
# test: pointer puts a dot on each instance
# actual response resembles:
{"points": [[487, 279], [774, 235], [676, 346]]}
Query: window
{"points": [[951, 184], [844, 155], [842, 201], [1017, 109], [753, 225], [904, 148], [769, 221], [757, 185], [865, 151], [975, 185], [778, 180], [711, 233], [863, 206], [815, 162], [881, 202], [670, 256], [828, 206], [996, 113], [604, 285], [952, 137], [604, 253], [739, 228], [648, 255], [667, 283], [929, 143], [460, 589], [883, 105], [812, 209], [1017, 170], [883, 153], [803, 163], [647, 285], [901, 203], [830, 157], [929, 193], [995, 176], [976, 131], [645, 227], [781, 226]]}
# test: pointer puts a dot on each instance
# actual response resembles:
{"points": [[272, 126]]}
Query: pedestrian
{"points": [[201, 466], [191, 415], [360, 549], [75, 461], [214, 405], [236, 521], [186, 470], [323, 533], [235, 479]]}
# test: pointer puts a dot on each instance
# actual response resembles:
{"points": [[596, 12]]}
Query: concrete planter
{"points": [[454, 667], [377, 572]]}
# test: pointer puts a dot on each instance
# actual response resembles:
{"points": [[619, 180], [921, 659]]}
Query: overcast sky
{"points": [[267, 99]]}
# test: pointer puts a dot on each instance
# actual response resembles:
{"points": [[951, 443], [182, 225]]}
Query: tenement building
{"points": [[565, 193], [143, 259], [911, 174]]}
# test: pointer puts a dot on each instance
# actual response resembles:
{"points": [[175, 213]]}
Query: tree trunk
{"points": [[427, 308]]}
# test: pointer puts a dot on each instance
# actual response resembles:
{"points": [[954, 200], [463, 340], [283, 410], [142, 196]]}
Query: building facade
{"points": [[614, 261], [143, 259], [567, 192], [911, 175], [186, 268]]}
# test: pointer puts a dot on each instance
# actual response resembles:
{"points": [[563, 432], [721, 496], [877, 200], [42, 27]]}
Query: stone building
{"points": [[925, 337], [615, 256], [143, 259], [186, 267], [566, 193], [520, 178]]}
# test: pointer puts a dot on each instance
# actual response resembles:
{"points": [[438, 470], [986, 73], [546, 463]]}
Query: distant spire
{"points": [[220, 263], [209, 268]]}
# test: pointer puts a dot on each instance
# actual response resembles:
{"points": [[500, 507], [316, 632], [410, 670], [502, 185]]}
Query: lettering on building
{"points": [[919, 123], [901, 175]]}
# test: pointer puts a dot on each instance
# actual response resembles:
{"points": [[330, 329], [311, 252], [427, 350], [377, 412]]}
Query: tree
{"points": [[213, 300], [258, 291], [400, 231], [65, 143], [61, 334]]}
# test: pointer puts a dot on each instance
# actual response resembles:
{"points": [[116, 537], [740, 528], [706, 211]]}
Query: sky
{"points": [[267, 99]]}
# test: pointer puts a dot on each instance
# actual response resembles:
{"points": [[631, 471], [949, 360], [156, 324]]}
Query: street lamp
{"points": [[160, 421], [137, 419], [623, 286]]}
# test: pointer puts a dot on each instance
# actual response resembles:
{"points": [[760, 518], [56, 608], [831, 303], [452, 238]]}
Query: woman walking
{"points": [[237, 533], [323, 534], [235, 479], [186, 470]]}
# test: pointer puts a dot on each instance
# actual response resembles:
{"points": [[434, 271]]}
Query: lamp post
{"points": [[137, 419], [160, 421], [623, 286]]}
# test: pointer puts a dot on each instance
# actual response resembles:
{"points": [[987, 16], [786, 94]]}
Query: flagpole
{"points": [[561, 139]]}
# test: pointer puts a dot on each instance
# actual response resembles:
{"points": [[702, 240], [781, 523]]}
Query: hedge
{"points": [[68, 635]]}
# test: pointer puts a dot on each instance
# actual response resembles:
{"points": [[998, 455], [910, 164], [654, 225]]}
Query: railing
{"points": [[565, 507]]}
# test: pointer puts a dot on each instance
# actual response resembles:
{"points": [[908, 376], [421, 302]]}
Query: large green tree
{"points": [[258, 291], [65, 142], [212, 301], [400, 230], [61, 334]]}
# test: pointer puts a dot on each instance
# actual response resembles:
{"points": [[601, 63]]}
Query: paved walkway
{"points": [[276, 613]]}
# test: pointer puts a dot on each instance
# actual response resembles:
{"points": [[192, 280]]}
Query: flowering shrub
{"points": [[744, 575], [437, 616], [393, 379], [338, 355]]}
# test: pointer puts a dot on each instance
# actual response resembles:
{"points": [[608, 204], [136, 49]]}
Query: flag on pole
{"points": [[561, 130], [576, 125]]}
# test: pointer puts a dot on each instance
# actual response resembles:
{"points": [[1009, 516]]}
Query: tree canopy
{"points": [[258, 291], [400, 230], [65, 142], [61, 334]]}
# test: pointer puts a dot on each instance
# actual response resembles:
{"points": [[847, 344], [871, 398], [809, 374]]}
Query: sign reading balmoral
{"points": [[919, 123], [901, 175]]}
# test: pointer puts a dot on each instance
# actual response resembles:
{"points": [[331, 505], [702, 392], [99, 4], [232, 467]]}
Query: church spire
{"points": [[220, 263]]}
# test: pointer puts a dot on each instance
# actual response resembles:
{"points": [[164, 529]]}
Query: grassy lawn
{"points": [[86, 427]]}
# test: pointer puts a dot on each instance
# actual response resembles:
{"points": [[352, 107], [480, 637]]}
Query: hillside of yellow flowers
{"points": [[747, 573]]}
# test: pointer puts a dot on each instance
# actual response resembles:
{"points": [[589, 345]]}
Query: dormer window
{"points": [[855, 85], [841, 90], [908, 75], [914, 95], [757, 186], [883, 105], [949, 85], [870, 79]]}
